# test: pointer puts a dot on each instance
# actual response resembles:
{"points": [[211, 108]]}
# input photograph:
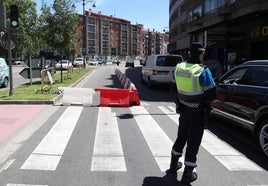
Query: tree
{"points": [[58, 24]]}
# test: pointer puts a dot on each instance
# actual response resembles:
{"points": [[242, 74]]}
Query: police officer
{"points": [[196, 88]]}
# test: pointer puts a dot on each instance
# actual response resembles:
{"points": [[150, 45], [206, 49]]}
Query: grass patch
{"points": [[35, 91]]}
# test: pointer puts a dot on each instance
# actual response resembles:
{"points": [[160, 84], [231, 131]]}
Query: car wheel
{"points": [[5, 84], [263, 136]]}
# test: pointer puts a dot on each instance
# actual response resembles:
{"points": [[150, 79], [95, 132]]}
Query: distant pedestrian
{"points": [[196, 88]]}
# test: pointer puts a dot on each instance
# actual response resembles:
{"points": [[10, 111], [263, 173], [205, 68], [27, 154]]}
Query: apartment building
{"points": [[108, 36], [232, 30], [179, 40]]}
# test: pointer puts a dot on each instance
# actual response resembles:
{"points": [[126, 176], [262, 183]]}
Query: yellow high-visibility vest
{"points": [[187, 78]]}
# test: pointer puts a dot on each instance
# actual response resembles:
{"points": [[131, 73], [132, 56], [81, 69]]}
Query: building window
{"points": [[221, 2], [91, 35], [197, 13], [210, 5], [91, 28], [124, 27], [182, 9], [91, 21], [104, 23], [190, 16]]}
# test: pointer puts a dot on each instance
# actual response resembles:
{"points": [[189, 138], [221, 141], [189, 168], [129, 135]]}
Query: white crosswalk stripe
{"points": [[10, 184], [108, 153], [170, 113], [47, 154], [228, 156], [158, 142]]}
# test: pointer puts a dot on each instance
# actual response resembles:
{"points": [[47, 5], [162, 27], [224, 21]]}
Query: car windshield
{"points": [[64, 61], [236, 75], [78, 59], [168, 61]]}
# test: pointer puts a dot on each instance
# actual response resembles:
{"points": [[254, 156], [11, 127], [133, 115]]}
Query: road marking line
{"points": [[107, 153], [159, 143], [225, 154], [13, 184], [47, 154], [171, 114], [7, 165]]}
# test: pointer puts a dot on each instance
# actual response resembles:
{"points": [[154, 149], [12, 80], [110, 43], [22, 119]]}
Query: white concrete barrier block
{"points": [[96, 98], [80, 96]]}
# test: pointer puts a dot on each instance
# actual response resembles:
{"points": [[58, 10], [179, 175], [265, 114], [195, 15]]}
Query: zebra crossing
{"points": [[108, 154]]}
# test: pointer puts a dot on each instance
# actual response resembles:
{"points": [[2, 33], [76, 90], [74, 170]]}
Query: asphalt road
{"points": [[122, 146]]}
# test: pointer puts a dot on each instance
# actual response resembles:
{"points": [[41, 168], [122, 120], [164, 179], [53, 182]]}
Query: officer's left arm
{"points": [[208, 84]]}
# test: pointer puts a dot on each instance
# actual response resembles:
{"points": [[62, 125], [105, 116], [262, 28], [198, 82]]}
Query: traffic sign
{"points": [[4, 41], [83, 51], [36, 72]]}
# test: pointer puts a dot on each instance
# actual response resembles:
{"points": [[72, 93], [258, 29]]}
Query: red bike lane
{"points": [[13, 117]]}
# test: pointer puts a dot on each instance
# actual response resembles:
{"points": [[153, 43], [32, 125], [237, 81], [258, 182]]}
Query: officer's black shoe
{"points": [[188, 175], [174, 165]]}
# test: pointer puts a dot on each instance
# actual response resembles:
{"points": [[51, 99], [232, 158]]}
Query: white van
{"points": [[158, 68], [4, 73]]}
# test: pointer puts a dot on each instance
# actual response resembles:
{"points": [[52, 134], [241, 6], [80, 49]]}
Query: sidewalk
{"points": [[13, 117]]}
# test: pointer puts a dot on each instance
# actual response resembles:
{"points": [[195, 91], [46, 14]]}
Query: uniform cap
{"points": [[197, 48]]}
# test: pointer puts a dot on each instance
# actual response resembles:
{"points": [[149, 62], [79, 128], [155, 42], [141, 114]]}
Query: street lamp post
{"points": [[149, 40]]}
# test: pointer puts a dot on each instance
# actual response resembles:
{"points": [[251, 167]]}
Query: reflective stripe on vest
{"points": [[187, 79]]}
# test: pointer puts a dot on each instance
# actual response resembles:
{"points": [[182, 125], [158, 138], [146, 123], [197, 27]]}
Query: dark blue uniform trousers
{"points": [[190, 130]]}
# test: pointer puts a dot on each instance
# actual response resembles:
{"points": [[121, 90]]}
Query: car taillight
{"points": [[154, 72]]}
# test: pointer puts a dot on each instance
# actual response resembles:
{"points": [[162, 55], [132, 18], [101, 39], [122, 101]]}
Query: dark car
{"points": [[242, 96], [102, 61]]}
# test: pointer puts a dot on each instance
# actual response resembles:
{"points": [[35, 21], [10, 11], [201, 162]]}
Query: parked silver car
{"points": [[64, 64]]}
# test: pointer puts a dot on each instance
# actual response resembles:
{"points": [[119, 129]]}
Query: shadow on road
{"points": [[167, 180]]}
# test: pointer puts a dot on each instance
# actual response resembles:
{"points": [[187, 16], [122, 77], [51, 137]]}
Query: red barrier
{"points": [[114, 97], [135, 100], [118, 97], [125, 97]]}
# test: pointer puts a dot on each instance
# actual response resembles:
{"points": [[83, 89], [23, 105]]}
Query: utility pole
{"points": [[84, 49], [6, 37], [2, 16]]}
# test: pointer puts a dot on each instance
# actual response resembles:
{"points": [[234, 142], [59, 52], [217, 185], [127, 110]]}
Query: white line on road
{"points": [[108, 153], [159, 143], [171, 114], [7, 165], [228, 156], [13, 184], [47, 154]]}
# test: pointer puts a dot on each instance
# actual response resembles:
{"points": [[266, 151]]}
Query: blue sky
{"points": [[153, 14]]}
